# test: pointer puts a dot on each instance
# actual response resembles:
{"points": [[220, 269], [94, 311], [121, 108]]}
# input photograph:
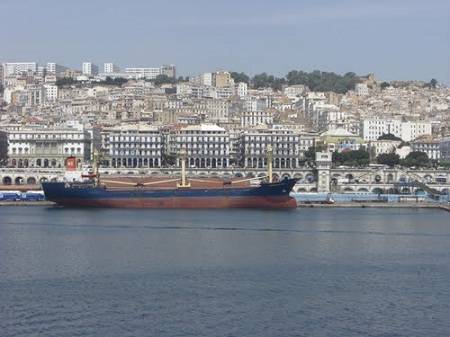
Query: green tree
{"points": [[323, 81], [310, 154], [168, 159], [163, 79], [262, 81], [433, 83], [183, 79], [445, 163], [240, 77], [278, 83], [66, 81], [359, 158], [384, 85], [116, 81], [416, 159], [389, 136], [390, 159]]}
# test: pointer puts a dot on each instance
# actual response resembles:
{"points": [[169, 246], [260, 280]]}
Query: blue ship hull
{"points": [[267, 195]]}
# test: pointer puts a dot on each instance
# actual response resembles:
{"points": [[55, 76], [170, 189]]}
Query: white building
{"points": [[89, 69], [326, 116], [18, 68], [206, 145], [205, 79], [55, 69], [307, 140], [428, 145], [284, 142], [169, 70], [312, 99], [217, 110], [51, 92], [373, 128], [200, 91], [384, 146], [35, 94], [252, 103], [141, 73], [294, 91], [361, 89], [184, 89], [47, 147], [222, 92], [133, 145], [254, 118], [109, 68], [242, 89], [51, 68], [445, 148]]}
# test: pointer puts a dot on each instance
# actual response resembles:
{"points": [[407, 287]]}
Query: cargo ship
{"points": [[95, 193]]}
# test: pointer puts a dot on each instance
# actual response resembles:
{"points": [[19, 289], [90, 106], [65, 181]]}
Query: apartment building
{"points": [[132, 145], [445, 148], [373, 128], [284, 142], [18, 68], [143, 73], [254, 118], [89, 69], [55, 69], [51, 92], [109, 68], [206, 145], [429, 145], [221, 79], [47, 147]]}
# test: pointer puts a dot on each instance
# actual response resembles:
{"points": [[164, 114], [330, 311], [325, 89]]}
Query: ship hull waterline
{"points": [[274, 195]]}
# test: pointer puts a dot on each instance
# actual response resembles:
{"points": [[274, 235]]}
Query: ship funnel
{"points": [[71, 163]]}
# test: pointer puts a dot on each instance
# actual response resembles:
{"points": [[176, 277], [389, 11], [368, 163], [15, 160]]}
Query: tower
{"points": [[323, 165]]}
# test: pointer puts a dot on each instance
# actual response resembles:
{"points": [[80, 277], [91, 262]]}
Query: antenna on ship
{"points": [[184, 183], [269, 156]]}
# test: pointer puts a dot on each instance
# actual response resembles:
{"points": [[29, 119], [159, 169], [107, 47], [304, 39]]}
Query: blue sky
{"points": [[395, 39]]}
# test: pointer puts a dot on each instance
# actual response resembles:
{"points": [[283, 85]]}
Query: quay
{"points": [[300, 205], [27, 203], [377, 205], [321, 178]]}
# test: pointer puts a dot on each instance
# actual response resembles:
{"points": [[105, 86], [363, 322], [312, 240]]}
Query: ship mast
{"points": [[96, 168], [184, 183], [269, 156]]}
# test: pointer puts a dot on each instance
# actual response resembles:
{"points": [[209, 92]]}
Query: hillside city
{"points": [[142, 117]]}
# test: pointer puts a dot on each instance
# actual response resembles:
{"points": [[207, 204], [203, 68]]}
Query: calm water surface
{"points": [[307, 272]]}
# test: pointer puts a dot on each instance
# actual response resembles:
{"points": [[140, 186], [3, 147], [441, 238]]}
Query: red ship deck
{"points": [[171, 182]]}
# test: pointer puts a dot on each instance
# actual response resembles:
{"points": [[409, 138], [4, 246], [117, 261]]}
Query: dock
{"points": [[443, 207], [377, 205]]}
